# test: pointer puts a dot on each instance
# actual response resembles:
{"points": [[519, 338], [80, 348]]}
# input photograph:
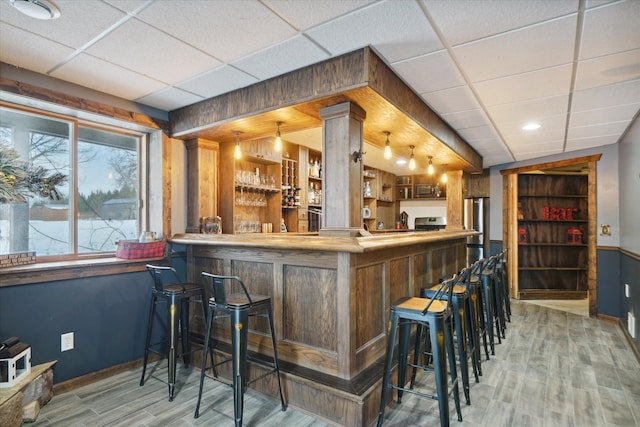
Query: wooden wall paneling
{"points": [[455, 201], [342, 180], [346, 319], [202, 181], [310, 305], [592, 237], [369, 303]]}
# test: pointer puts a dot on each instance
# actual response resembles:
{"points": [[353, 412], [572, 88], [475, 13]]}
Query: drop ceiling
{"points": [[486, 67]]}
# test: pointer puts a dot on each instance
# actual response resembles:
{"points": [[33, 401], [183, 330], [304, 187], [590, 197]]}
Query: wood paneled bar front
{"points": [[331, 297]]}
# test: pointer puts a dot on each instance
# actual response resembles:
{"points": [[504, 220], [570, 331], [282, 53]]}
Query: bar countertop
{"points": [[313, 241]]}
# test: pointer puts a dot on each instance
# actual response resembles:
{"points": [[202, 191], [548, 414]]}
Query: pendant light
{"points": [[387, 146], [444, 177], [412, 160], [278, 144], [237, 153], [430, 170]]}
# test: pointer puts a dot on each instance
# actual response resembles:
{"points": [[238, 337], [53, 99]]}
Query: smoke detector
{"points": [[39, 9]]}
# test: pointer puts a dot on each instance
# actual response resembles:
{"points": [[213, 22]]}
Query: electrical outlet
{"points": [[66, 341], [626, 290]]}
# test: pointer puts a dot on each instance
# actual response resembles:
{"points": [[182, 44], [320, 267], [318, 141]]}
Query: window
{"points": [[98, 204]]}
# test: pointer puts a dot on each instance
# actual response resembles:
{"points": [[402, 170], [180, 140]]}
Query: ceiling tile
{"points": [[217, 81], [151, 54], [304, 15], [15, 42], [466, 119], [549, 127], [530, 110], [479, 132], [129, 6], [451, 100], [397, 29], [590, 142], [226, 30], [279, 59], [522, 87], [606, 96], [462, 21], [169, 99], [79, 23], [429, 73], [604, 129], [106, 77], [600, 36], [609, 69], [532, 48], [604, 115]]}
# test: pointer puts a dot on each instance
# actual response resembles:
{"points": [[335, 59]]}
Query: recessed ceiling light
{"points": [[531, 126], [39, 9]]}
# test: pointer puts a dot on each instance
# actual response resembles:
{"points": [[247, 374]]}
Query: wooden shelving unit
{"points": [[550, 228]]}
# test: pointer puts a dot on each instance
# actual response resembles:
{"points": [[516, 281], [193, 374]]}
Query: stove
{"points": [[430, 223]]}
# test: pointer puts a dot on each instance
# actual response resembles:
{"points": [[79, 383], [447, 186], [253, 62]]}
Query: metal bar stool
{"points": [[477, 296], [237, 307], [437, 315], [501, 267], [168, 288], [462, 324], [492, 320]]}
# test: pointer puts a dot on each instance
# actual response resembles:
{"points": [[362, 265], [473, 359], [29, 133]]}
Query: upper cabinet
{"points": [[379, 211]]}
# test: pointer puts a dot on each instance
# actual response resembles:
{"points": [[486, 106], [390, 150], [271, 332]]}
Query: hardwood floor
{"points": [[553, 369]]}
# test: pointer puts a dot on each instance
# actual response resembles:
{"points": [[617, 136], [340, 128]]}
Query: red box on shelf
{"points": [[132, 249]]}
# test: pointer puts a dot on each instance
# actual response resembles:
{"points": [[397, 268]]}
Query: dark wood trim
{"points": [[83, 104], [73, 269], [296, 98], [626, 334], [555, 164], [630, 254], [551, 294]]}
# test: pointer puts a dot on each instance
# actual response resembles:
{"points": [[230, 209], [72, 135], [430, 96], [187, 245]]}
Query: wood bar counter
{"points": [[331, 297]]}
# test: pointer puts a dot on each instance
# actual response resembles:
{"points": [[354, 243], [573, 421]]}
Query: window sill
{"points": [[65, 270]]}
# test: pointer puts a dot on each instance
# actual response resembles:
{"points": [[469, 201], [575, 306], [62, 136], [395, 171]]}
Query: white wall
{"points": [[607, 204], [629, 178], [420, 208]]}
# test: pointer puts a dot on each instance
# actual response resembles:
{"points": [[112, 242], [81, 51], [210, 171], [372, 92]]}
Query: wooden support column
{"points": [[342, 176], [202, 181], [455, 201]]}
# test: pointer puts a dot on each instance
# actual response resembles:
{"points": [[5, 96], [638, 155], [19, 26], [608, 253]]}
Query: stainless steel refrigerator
{"points": [[476, 217]]}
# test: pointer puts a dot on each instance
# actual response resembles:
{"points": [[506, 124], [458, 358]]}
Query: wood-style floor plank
{"points": [[553, 369]]}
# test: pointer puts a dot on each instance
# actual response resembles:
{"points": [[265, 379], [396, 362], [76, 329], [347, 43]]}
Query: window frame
{"points": [[141, 133]]}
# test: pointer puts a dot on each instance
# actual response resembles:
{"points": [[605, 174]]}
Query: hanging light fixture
{"points": [[278, 144], [444, 178], [412, 160], [237, 153], [430, 170], [387, 146]]}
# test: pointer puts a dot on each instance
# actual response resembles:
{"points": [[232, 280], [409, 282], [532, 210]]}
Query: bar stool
{"points": [[501, 267], [464, 334], [474, 284], [473, 323], [168, 288], [437, 315], [237, 307], [488, 288]]}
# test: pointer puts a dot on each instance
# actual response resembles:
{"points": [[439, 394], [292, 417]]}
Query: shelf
{"points": [[573, 245], [552, 268], [315, 179], [555, 196], [553, 220], [258, 188], [314, 206]]}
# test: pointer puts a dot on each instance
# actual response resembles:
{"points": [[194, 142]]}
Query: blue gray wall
{"points": [[107, 314]]}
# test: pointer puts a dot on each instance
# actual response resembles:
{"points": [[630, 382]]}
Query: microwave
{"points": [[427, 190]]}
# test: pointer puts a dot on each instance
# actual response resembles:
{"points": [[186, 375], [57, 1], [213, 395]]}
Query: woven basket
{"points": [[132, 249]]}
